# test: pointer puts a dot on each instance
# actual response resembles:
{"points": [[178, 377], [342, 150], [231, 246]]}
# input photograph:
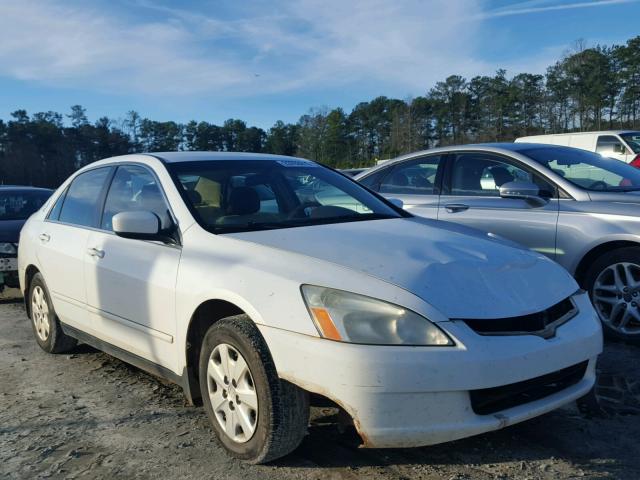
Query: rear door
{"points": [[62, 243], [416, 182], [471, 197]]}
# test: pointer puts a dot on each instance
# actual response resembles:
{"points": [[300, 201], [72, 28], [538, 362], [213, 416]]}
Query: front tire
{"points": [[256, 416], [46, 326], [613, 283]]}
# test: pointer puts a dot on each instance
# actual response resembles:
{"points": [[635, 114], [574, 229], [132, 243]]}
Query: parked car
{"points": [[352, 172], [16, 205], [621, 145], [421, 331], [577, 207]]}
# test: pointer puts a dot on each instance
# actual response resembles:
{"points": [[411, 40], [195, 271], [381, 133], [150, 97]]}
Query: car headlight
{"points": [[349, 317], [8, 248]]}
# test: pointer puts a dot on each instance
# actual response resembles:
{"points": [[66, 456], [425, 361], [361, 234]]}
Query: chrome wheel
{"points": [[616, 297], [232, 393], [40, 313]]}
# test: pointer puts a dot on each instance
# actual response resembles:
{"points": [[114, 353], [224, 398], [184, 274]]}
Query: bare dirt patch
{"points": [[88, 415]]}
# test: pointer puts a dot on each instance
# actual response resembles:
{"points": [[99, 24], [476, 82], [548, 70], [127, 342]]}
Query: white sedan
{"points": [[221, 272]]}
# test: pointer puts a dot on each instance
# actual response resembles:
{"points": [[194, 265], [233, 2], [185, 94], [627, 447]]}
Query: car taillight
{"points": [[635, 162]]}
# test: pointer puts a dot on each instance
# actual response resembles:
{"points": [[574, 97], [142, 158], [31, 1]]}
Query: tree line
{"points": [[588, 89]]}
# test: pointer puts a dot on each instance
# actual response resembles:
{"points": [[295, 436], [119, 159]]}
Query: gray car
{"points": [[575, 206]]}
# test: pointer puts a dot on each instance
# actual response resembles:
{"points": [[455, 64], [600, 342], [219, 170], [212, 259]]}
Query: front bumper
{"points": [[414, 396], [9, 272]]}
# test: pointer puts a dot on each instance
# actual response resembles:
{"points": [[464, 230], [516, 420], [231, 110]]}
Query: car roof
{"points": [[173, 157], [498, 147], [24, 188], [517, 147], [599, 132]]}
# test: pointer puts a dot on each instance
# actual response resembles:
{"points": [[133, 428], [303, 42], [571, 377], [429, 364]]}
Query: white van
{"points": [[619, 144]]}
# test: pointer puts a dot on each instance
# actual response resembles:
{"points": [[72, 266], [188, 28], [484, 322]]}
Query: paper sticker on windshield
{"points": [[296, 163]]}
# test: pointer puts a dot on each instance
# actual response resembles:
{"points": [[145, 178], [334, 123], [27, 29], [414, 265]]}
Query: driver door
{"points": [[471, 197]]}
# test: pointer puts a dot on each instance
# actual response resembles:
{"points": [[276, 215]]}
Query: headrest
{"points": [[501, 176], [399, 179], [243, 201], [195, 197]]}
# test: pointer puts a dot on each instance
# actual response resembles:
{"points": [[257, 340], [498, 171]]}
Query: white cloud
{"points": [[268, 47], [301, 44], [83, 47], [539, 6]]}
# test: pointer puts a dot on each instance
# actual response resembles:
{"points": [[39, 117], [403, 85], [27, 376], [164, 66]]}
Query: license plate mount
{"points": [[8, 264]]}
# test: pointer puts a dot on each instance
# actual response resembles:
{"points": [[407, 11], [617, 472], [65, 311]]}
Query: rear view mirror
{"points": [[141, 225], [522, 190], [396, 201]]}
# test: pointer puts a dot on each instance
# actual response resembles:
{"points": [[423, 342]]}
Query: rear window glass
{"points": [[633, 140], [21, 204], [80, 205]]}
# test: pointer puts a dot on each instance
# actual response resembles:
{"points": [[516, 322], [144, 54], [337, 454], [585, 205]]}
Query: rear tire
{"points": [[46, 327], [613, 283], [275, 413]]}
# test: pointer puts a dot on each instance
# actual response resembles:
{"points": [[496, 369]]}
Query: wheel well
{"points": [[595, 252], [205, 315], [29, 274]]}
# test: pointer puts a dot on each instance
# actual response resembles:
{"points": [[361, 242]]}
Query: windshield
{"points": [[232, 196], [587, 170], [633, 140], [20, 204]]}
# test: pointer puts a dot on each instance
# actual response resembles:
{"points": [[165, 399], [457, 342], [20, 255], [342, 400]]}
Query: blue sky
{"points": [[263, 61]]}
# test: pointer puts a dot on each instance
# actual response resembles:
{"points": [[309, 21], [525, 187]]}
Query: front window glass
{"points": [[134, 188], [417, 177], [586, 169], [633, 140], [482, 175], [609, 144], [80, 206], [231, 196], [20, 204]]}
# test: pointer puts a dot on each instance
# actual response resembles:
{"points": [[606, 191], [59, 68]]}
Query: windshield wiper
{"points": [[302, 222]]}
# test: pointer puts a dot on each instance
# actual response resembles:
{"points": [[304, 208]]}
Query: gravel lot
{"points": [[89, 415]]}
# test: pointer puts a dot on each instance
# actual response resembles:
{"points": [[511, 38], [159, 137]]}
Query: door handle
{"points": [[456, 207], [96, 252], [45, 237]]}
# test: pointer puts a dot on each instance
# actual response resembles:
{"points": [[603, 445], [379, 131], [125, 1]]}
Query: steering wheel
{"points": [[300, 209], [598, 185]]}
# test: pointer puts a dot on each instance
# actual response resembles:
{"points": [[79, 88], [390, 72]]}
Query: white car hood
{"points": [[460, 271]]}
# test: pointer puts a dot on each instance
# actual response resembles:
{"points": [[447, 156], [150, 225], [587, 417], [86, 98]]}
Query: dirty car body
{"points": [[421, 331]]}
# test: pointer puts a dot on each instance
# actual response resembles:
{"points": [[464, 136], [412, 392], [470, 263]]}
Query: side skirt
{"points": [[131, 358]]}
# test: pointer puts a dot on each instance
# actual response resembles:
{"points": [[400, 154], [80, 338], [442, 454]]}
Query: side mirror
{"points": [[619, 148], [140, 225], [396, 201], [523, 191]]}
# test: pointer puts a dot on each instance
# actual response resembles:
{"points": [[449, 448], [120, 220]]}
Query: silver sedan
{"points": [[577, 207]]}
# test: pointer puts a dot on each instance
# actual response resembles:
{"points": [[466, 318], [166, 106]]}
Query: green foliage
{"points": [[588, 89]]}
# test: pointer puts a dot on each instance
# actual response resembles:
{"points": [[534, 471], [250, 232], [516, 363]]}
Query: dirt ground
{"points": [[89, 415]]}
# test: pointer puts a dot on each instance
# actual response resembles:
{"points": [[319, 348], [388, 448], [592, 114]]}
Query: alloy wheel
{"points": [[232, 393], [40, 313], [616, 296]]}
